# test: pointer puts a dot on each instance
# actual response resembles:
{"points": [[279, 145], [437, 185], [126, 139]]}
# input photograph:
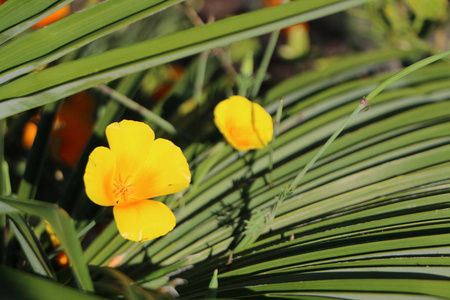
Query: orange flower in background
{"points": [[133, 169], [73, 127], [270, 3], [296, 36], [57, 15], [286, 31], [244, 124], [29, 133]]}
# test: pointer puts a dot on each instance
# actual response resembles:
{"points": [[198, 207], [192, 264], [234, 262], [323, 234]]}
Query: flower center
{"points": [[241, 135], [122, 189]]}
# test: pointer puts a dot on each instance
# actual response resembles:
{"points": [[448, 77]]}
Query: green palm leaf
{"points": [[60, 81], [369, 219]]}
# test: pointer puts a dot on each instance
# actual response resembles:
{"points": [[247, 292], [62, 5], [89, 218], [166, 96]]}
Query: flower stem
{"points": [[276, 127], [261, 73], [144, 112], [200, 78]]}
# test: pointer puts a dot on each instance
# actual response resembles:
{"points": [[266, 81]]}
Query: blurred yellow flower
{"points": [[133, 169], [244, 124]]}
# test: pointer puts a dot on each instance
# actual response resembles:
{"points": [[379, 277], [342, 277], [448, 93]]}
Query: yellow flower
{"points": [[133, 169], [244, 124]]}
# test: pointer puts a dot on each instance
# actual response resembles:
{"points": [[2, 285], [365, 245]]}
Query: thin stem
{"points": [[200, 78], [276, 127], [144, 112], [2, 154], [261, 73], [245, 78], [3, 190], [406, 71], [299, 177], [199, 82]]}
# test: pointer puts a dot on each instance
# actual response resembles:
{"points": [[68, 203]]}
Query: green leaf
{"points": [[213, 285], [36, 256], [29, 52], [16, 284], [112, 283], [18, 16], [54, 83], [65, 231]]}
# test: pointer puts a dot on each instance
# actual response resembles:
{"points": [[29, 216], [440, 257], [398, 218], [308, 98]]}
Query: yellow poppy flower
{"points": [[244, 124], [135, 168]]}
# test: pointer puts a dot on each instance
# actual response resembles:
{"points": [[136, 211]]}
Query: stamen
{"points": [[122, 189]]}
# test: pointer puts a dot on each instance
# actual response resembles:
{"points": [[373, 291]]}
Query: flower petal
{"points": [[99, 176], [244, 124], [144, 220], [263, 124], [130, 142], [165, 171]]}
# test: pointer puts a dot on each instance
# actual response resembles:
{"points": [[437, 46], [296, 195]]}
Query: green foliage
{"points": [[349, 201]]}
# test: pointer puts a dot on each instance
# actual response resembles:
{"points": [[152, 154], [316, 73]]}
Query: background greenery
{"points": [[368, 220]]}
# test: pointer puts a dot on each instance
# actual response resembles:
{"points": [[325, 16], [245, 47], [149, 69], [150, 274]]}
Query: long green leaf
{"points": [[29, 52], [65, 231], [17, 16], [16, 284], [33, 251], [68, 78]]}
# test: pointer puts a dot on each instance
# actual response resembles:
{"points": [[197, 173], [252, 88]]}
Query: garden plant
{"points": [[162, 149]]}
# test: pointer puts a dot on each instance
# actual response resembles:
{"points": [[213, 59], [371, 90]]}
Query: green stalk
{"points": [[130, 104], [276, 127], [200, 78], [261, 73], [3, 190], [199, 82], [299, 177], [3, 174], [414, 67], [244, 79]]}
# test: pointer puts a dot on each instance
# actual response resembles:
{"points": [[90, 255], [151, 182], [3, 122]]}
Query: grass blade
{"points": [[65, 231]]}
